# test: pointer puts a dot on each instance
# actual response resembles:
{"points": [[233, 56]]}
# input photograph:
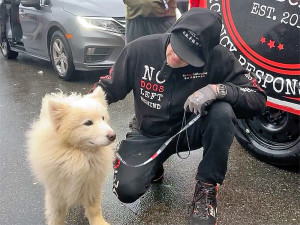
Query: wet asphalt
{"points": [[254, 193]]}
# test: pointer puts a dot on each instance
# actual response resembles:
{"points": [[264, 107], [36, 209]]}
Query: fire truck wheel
{"points": [[272, 137], [7, 52]]}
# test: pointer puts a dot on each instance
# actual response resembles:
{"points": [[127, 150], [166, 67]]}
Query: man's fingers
{"points": [[199, 111], [195, 111], [191, 108], [186, 104]]}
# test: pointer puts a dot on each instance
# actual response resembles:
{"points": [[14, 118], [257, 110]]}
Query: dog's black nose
{"points": [[111, 136]]}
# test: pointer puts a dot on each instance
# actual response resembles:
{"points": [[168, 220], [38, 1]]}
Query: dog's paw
{"points": [[98, 221], [103, 222]]}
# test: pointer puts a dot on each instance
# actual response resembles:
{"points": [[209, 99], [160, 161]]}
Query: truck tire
{"points": [[272, 137], [7, 52], [61, 56]]}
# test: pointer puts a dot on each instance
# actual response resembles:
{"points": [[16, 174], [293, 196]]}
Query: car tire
{"points": [[272, 137], [7, 52], [61, 56]]}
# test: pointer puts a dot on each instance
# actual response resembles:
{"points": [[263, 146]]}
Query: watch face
{"points": [[222, 90]]}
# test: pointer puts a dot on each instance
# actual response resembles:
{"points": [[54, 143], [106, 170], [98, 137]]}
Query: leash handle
{"points": [[160, 150]]}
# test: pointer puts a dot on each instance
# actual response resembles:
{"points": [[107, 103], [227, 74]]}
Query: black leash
{"points": [[160, 150]]}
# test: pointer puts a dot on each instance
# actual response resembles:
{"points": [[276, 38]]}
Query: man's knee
{"points": [[222, 112], [128, 192]]}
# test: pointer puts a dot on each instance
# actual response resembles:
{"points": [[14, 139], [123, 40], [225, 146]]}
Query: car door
{"points": [[33, 35]]}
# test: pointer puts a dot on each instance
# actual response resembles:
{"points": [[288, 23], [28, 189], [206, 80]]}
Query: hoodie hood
{"points": [[195, 34]]}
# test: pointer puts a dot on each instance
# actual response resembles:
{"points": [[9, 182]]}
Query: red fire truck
{"points": [[265, 37]]}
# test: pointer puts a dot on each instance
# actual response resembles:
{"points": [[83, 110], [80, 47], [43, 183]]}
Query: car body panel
{"points": [[93, 7], [38, 24], [33, 33]]}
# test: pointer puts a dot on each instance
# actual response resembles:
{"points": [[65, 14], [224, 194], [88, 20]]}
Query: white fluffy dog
{"points": [[70, 153]]}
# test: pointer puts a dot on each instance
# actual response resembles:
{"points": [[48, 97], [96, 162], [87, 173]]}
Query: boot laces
{"points": [[202, 202]]}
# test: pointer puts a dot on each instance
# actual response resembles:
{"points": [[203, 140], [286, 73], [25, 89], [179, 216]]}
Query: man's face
{"points": [[173, 60]]}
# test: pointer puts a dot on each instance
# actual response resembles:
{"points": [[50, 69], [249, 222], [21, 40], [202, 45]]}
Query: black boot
{"points": [[159, 176], [204, 205]]}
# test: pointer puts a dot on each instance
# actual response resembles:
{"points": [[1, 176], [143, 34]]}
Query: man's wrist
{"points": [[214, 87]]}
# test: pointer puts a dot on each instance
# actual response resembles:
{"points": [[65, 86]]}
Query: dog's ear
{"points": [[99, 95], [57, 111]]}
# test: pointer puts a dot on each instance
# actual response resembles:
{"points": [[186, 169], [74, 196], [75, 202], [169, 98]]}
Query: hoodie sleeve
{"points": [[243, 93], [119, 82]]}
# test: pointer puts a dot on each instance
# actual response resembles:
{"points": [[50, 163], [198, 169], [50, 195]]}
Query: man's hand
{"points": [[200, 100]]}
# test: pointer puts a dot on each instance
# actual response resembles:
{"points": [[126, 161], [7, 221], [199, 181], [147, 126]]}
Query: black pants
{"points": [[214, 132], [142, 26]]}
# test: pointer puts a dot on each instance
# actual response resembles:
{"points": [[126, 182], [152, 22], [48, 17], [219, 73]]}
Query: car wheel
{"points": [[7, 52], [272, 137], [61, 56]]}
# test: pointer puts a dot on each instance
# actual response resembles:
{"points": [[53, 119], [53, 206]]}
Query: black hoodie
{"points": [[161, 91]]}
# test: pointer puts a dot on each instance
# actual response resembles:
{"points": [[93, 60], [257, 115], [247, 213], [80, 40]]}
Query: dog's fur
{"points": [[70, 153]]}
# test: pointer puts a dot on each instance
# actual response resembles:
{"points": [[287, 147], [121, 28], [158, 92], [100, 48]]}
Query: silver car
{"points": [[72, 34]]}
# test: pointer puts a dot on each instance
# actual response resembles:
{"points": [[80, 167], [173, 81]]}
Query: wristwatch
{"points": [[221, 91]]}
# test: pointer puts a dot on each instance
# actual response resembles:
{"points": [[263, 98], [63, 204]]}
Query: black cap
{"points": [[195, 34]]}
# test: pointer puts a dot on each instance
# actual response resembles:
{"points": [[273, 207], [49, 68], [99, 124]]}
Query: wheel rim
{"points": [[4, 48], [275, 129], [60, 57]]}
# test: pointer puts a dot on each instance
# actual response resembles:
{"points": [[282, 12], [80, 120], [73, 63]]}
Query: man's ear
{"points": [[57, 112], [99, 95]]}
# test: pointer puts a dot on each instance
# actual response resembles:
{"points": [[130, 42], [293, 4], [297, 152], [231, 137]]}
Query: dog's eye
{"points": [[88, 123], [102, 117]]}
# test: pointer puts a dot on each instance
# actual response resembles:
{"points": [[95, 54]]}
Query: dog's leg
{"points": [[94, 213], [55, 209]]}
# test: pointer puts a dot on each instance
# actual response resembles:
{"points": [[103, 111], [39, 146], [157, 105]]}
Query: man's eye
{"points": [[88, 123]]}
